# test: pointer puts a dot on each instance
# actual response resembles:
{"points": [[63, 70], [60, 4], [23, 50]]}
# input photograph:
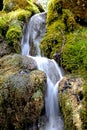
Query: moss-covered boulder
{"points": [[66, 37], [71, 99], [13, 36], [21, 92], [12, 18], [57, 28], [11, 28]]}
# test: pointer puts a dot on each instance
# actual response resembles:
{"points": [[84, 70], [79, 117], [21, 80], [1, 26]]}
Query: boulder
{"points": [[71, 99], [22, 89]]}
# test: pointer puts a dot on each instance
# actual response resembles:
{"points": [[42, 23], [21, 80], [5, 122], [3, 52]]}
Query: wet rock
{"points": [[57, 58]]}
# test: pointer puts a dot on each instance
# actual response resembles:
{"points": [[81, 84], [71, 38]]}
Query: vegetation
{"points": [[12, 18], [67, 111], [3, 26], [74, 55], [55, 37], [12, 5], [14, 35], [67, 34], [71, 101]]}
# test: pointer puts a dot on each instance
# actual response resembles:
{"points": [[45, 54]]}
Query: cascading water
{"points": [[33, 32]]}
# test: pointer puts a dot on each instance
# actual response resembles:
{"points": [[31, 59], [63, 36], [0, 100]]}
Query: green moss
{"points": [[14, 35], [12, 5], [68, 19], [53, 39], [19, 14], [57, 28], [32, 7], [66, 109], [23, 15], [49, 44], [74, 52], [54, 10], [3, 26]]}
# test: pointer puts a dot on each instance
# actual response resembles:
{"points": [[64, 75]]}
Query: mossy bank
{"points": [[66, 42]]}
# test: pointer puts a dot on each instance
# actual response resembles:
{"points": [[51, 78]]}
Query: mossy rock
{"points": [[22, 89], [19, 14], [14, 35], [11, 5], [3, 26], [11, 64], [12, 19], [52, 41], [55, 36], [11, 30], [71, 101]]}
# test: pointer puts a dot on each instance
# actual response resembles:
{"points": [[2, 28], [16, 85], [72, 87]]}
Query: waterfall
{"points": [[34, 30]]}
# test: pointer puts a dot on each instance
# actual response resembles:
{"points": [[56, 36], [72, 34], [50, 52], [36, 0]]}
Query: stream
{"points": [[33, 32]]}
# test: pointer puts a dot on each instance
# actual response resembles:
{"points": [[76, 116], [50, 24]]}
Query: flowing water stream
{"points": [[34, 30]]}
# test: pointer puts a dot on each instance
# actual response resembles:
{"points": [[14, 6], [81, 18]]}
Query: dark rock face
{"points": [[21, 92]]}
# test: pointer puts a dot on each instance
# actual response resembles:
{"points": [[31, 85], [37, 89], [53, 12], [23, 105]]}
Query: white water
{"points": [[43, 3], [35, 30]]}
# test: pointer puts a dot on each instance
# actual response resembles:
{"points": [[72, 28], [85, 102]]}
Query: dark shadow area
{"points": [[1, 5], [81, 21]]}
